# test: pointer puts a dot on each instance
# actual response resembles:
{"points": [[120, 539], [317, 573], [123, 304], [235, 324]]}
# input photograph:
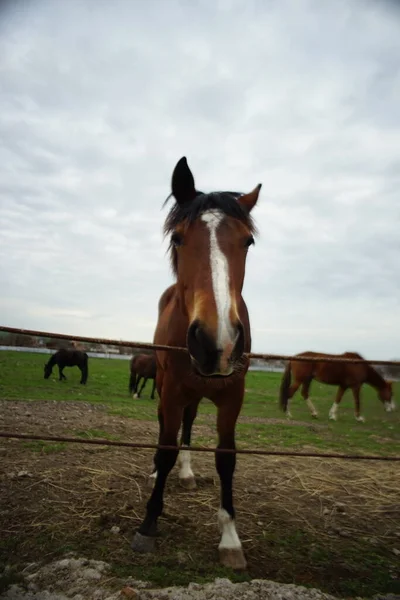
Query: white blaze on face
{"points": [[220, 281]]}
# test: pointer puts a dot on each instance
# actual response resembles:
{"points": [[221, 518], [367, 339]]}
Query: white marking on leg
{"points": [[312, 408], [360, 419], [135, 396], [185, 471], [389, 406], [333, 412], [153, 475], [287, 411], [220, 281], [230, 539]]}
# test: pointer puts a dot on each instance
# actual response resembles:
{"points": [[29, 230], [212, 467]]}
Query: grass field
{"points": [[21, 379], [329, 524]]}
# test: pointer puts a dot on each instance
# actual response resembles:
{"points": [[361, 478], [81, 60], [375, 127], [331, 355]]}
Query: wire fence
{"points": [[142, 446], [150, 346]]}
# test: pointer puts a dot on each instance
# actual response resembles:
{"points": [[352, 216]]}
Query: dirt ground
{"points": [[300, 520]]}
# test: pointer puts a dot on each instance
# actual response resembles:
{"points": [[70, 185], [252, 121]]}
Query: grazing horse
{"points": [[210, 234], [142, 366], [345, 375], [68, 358]]}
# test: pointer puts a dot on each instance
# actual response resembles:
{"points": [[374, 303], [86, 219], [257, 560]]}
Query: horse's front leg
{"points": [[186, 476], [61, 374], [171, 416], [135, 395], [154, 389], [230, 548], [142, 388], [153, 476], [357, 404], [334, 408]]}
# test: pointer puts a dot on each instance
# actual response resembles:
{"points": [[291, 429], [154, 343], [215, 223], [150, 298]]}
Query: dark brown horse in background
{"points": [[204, 310], [345, 375], [142, 366], [68, 358]]}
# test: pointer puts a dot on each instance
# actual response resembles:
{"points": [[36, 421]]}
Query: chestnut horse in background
{"points": [[142, 366], [345, 375], [210, 234]]}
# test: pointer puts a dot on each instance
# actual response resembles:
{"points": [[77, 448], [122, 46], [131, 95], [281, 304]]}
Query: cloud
{"points": [[97, 107]]}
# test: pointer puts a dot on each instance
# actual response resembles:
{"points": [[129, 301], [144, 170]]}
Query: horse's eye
{"points": [[176, 239], [249, 241]]}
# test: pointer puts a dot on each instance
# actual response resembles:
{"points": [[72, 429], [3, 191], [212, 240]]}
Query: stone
{"points": [[24, 474], [128, 592]]}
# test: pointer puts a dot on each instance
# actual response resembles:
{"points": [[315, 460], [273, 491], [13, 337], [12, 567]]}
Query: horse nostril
{"points": [[198, 341], [239, 344], [202, 347], [192, 335], [193, 341]]}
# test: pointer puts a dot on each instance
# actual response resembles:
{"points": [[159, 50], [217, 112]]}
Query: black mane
{"points": [[188, 212]]}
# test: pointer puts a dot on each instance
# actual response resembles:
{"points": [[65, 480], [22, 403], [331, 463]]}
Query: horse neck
{"points": [[374, 378]]}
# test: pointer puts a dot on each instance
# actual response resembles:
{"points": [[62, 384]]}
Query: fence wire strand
{"points": [[142, 446], [149, 346]]}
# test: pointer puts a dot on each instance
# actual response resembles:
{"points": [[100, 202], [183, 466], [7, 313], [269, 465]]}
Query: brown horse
{"points": [[142, 366], [345, 375], [204, 311], [67, 357]]}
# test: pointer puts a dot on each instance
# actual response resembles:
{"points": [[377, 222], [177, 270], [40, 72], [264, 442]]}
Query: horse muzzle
{"points": [[209, 360]]}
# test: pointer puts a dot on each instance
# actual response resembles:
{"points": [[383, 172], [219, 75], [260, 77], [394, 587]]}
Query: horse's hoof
{"points": [[360, 419], [233, 558], [315, 415], [189, 483], [143, 543]]}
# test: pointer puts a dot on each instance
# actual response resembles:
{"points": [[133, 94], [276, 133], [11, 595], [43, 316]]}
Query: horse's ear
{"points": [[183, 187], [248, 201]]}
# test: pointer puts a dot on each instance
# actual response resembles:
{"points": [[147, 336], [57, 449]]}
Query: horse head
{"points": [[386, 396], [47, 370], [210, 235]]}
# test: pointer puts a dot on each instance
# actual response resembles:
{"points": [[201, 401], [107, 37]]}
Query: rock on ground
{"points": [[81, 579]]}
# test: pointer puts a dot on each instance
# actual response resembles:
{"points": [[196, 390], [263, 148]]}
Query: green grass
{"points": [[96, 433], [21, 378], [359, 568], [44, 447]]}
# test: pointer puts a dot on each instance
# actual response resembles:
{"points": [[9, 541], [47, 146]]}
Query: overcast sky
{"points": [[98, 101]]}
